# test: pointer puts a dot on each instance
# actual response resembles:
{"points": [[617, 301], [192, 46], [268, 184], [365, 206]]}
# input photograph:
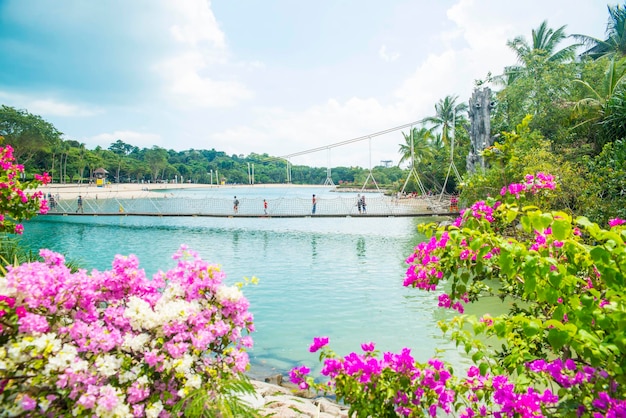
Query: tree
{"points": [[156, 157], [541, 84], [615, 42], [121, 149], [448, 116], [544, 43], [65, 151], [600, 104], [421, 150], [26, 133]]}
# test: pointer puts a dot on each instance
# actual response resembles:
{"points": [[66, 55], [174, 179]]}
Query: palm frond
{"points": [[226, 401]]}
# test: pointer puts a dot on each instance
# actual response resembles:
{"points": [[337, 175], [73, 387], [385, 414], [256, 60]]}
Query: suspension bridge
{"points": [[343, 205], [413, 174], [378, 204]]}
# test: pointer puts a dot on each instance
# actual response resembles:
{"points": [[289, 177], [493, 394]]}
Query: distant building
{"points": [[100, 174]]}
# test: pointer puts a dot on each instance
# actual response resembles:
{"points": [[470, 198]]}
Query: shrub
{"points": [[558, 351], [115, 343]]}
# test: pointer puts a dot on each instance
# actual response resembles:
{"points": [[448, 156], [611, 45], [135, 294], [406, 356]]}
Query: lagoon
{"points": [[335, 277]]}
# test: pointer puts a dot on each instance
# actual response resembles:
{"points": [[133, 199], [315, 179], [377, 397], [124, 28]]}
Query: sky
{"points": [[278, 76]]}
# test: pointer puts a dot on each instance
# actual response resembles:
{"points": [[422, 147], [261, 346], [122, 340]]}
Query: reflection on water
{"points": [[360, 248], [337, 277]]}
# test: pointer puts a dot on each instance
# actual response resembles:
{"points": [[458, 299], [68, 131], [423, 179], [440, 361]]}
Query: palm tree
{"points": [[65, 152], [615, 42], [593, 105], [602, 108], [544, 43], [436, 142], [448, 117], [422, 150], [538, 79]]}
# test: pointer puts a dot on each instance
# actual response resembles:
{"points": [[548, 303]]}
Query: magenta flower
{"points": [[20, 311], [28, 403], [43, 178], [318, 342], [297, 376], [368, 347], [616, 221]]}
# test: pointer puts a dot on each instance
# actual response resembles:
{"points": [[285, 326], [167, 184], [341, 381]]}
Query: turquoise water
{"points": [[339, 277]]}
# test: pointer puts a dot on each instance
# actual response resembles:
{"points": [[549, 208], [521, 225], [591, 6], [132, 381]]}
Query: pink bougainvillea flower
{"points": [[368, 347], [318, 342]]}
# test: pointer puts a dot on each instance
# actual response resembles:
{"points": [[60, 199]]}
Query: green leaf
{"points": [[599, 254], [483, 367], [530, 284], [552, 323], [542, 221], [533, 327], [511, 214], [477, 356], [555, 279], [558, 338], [500, 328], [506, 263], [561, 229]]}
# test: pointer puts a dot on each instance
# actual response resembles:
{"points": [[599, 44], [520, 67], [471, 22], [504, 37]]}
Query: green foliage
{"points": [[566, 274], [26, 133], [521, 152], [11, 253], [224, 401], [558, 350], [605, 190], [615, 42]]}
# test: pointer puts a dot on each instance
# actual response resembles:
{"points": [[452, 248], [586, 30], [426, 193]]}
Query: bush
{"points": [[115, 343], [558, 351]]}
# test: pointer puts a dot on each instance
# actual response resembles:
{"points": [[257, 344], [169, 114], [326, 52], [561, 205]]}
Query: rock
{"points": [[333, 409], [284, 402], [276, 379]]}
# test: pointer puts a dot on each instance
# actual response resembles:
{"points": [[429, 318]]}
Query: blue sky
{"points": [[276, 77]]}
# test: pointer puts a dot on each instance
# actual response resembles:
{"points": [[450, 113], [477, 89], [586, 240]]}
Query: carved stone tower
{"points": [[480, 106]]}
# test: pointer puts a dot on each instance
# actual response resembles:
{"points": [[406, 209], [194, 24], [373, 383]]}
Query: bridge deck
{"points": [[208, 215], [287, 207]]}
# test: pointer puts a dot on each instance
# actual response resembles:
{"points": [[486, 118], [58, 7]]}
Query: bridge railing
{"points": [[284, 206]]}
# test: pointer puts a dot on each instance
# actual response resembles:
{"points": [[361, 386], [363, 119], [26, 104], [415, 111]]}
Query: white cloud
{"points": [[46, 106], [389, 57], [189, 87], [192, 76], [198, 23], [282, 132], [54, 108], [473, 46]]}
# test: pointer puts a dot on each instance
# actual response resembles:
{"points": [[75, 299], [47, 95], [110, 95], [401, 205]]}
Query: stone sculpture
{"points": [[480, 106]]}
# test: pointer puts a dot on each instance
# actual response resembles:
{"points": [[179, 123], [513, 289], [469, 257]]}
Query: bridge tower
{"points": [[329, 179]]}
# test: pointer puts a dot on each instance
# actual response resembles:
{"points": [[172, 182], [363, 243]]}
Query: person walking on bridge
{"points": [[236, 205], [314, 202], [80, 204]]}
